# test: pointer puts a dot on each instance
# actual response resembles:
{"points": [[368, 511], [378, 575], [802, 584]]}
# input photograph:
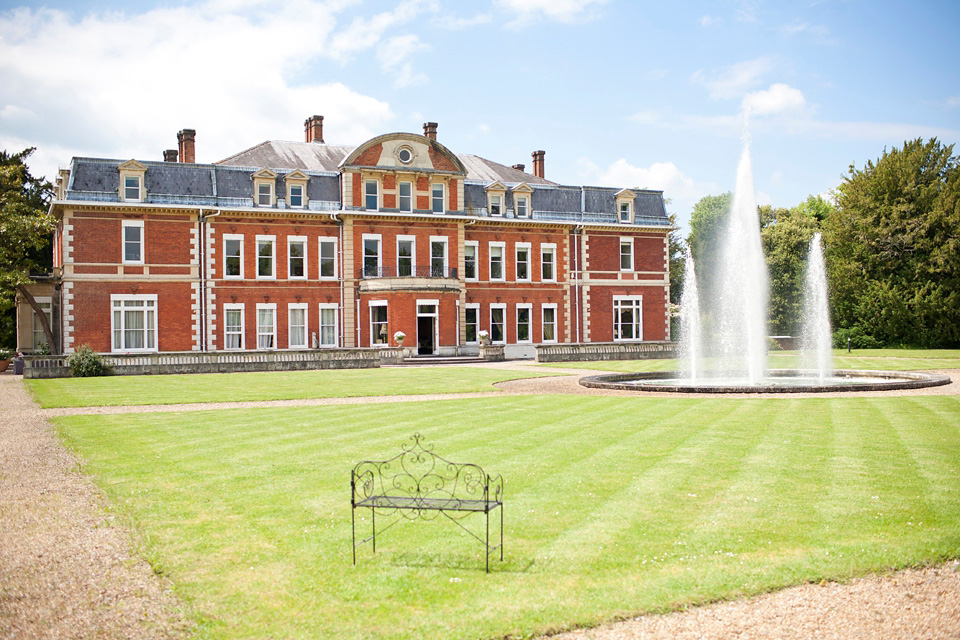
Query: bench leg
{"points": [[501, 533], [487, 554], [353, 532], [373, 513]]}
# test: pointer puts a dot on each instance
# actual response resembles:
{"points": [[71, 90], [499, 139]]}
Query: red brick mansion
{"points": [[305, 245]]}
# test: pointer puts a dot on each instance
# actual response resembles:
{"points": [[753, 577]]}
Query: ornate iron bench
{"points": [[418, 483]]}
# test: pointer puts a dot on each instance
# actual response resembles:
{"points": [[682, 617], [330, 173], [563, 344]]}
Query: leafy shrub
{"points": [[86, 362], [858, 339]]}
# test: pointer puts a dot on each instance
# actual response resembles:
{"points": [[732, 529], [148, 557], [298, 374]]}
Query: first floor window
{"points": [[371, 256], [265, 256], [523, 323], [371, 197], [627, 318], [406, 248], [470, 260], [549, 325], [472, 321], [626, 254], [297, 326], [496, 261], [134, 322], [328, 258], [436, 197], [233, 326], [523, 262], [328, 325], [405, 196], [133, 241], [266, 326], [498, 332], [378, 324], [233, 256], [438, 257], [297, 257], [548, 267]]}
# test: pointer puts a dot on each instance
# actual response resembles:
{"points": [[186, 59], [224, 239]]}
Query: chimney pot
{"points": [[170, 155], [430, 130], [538, 163], [520, 167], [314, 129], [186, 139]]}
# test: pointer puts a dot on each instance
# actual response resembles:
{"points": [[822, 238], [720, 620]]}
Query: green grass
{"points": [[614, 506], [882, 359], [283, 385]]}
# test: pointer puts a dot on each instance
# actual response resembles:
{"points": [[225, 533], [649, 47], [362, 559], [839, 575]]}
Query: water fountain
{"points": [[733, 358]]}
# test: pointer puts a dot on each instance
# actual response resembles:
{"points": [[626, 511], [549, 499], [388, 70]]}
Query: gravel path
{"points": [[70, 569]]}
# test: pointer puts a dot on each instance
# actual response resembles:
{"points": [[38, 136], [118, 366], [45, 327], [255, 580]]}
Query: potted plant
{"points": [[4, 360], [399, 336]]}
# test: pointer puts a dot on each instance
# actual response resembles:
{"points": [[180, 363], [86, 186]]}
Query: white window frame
{"points": [[228, 307], [626, 242], [475, 307], [502, 246], [366, 194], [551, 250], [516, 257], [496, 204], [139, 187], [528, 307], [271, 307], [290, 195], [320, 258], [363, 254], [329, 306], [445, 268], [502, 307], [386, 323], [475, 245], [231, 237], [629, 211], [413, 253], [298, 332], [132, 224], [269, 184], [150, 332], [272, 241], [552, 306], [301, 240], [517, 199], [409, 196], [433, 197], [635, 303]]}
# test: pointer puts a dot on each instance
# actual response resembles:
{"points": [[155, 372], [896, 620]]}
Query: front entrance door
{"points": [[426, 328]]}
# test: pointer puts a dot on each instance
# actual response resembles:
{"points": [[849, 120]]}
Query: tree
{"points": [[893, 247], [786, 235], [706, 227], [25, 231]]}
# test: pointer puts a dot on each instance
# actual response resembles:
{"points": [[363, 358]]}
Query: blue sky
{"points": [[635, 94]]}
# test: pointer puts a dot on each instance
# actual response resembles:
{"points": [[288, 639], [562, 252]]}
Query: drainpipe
{"points": [[341, 320], [202, 246]]}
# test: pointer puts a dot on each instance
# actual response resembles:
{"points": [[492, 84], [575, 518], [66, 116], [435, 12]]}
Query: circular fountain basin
{"points": [[776, 381]]}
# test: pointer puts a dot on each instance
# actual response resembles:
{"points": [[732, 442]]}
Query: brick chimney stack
{"points": [[170, 155], [314, 129], [519, 167], [186, 138], [538, 163], [430, 130]]}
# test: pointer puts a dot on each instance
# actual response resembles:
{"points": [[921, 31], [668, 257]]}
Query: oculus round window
{"points": [[405, 155]]}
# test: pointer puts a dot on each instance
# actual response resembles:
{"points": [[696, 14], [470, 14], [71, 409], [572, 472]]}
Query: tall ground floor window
{"points": [[549, 324], [378, 323], [297, 325], [523, 322], [472, 322], [233, 326], [627, 318], [498, 334], [328, 325], [266, 326], [134, 322]]}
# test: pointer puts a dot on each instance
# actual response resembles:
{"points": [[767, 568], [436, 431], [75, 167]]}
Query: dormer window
{"points": [[131, 181], [296, 182], [496, 196], [521, 200], [625, 200], [264, 182], [496, 204]]}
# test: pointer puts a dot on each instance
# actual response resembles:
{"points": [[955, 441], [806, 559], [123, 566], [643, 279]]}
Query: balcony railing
{"points": [[389, 271]]}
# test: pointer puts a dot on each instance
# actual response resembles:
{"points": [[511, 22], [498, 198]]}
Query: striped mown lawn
{"points": [[614, 506]]}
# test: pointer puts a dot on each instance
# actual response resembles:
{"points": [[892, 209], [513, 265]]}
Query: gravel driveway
{"points": [[69, 568]]}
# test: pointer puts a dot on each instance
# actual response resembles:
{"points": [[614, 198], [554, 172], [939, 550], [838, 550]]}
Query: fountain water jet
{"points": [[816, 337], [691, 348]]}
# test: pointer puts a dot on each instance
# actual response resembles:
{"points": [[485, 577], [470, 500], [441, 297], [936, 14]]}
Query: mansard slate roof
{"points": [[229, 183]]}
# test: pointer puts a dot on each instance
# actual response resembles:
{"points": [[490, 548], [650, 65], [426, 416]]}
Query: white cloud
{"points": [[235, 70], [735, 80], [778, 99], [567, 11], [709, 21], [953, 101], [393, 54], [454, 23]]}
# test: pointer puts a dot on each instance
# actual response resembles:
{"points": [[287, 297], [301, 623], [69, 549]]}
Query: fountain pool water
{"points": [[731, 357]]}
